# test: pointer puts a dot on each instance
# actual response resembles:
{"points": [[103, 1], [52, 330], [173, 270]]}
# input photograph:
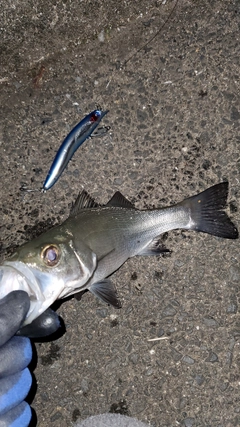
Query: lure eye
{"points": [[95, 116], [50, 255]]}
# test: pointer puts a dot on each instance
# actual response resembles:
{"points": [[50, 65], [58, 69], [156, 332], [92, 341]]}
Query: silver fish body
{"points": [[95, 241]]}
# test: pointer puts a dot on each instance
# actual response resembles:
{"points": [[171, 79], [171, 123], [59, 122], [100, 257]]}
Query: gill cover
{"points": [[47, 271]]}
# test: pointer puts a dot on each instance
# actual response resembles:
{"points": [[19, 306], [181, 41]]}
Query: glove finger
{"points": [[15, 355], [45, 324], [20, 416], [13, 310], [14, 389]]}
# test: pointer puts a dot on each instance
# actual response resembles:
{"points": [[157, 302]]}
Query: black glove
{"points": [[16, 354]]}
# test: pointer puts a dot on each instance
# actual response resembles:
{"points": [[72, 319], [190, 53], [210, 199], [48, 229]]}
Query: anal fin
{"points": [[78, 295], [154, 248], [105, 291]]}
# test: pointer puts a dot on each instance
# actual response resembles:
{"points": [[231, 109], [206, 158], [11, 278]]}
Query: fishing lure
{"points": [[71, 143]]}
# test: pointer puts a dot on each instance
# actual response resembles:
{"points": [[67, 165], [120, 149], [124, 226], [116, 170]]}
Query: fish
{"points": [[71, 143], [94, 241]]}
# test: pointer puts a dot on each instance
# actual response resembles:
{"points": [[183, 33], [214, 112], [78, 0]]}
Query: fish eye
{"points": [[51, 255]]}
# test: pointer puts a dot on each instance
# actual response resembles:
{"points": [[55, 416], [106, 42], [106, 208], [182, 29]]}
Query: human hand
{"points": [[16, 354]]}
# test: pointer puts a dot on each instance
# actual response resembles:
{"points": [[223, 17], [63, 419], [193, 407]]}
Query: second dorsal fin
{"points": [[119, 201]]}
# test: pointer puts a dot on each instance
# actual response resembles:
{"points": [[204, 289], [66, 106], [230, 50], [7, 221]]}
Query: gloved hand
{"points": [[16, 354]]}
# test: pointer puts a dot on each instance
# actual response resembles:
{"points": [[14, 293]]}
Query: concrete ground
{"points": [[174, 112]]}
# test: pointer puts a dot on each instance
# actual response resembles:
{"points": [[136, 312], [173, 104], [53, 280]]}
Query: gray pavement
{"points": [[175, 120]]}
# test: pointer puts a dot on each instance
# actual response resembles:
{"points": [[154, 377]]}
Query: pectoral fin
{"points": [[106, 292]]}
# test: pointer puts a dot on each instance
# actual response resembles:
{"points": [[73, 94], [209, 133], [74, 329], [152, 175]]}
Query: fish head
{"points": [[47, 268]]}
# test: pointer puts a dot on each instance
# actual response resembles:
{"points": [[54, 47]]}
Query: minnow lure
{"points": [[71, 143]]}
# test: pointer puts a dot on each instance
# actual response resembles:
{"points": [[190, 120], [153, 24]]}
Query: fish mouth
{"points": [[15, 275]]}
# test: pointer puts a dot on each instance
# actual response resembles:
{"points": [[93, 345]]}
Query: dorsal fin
{"points": [[119, 201], [83, 201]]}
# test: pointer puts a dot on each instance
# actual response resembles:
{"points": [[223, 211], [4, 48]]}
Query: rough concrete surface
{"points": [[175, 122]]}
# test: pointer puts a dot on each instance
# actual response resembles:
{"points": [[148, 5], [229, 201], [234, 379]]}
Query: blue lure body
{"points": [[71, 143]]}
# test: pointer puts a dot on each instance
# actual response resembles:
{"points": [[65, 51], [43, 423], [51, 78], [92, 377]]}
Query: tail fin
{"points": [[207, 213]]}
